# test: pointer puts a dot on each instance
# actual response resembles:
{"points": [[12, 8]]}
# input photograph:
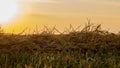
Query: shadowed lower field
{"points": [[89, 47]]}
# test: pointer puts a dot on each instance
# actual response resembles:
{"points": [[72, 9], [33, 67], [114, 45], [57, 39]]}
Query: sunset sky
{"points": [[64, 12]]}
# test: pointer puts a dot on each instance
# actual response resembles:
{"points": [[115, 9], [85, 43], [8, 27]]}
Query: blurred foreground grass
{"points": [[90, 47]]}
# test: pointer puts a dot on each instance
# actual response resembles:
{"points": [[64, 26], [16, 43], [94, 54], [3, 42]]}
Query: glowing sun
{"points": [[8, 10]]}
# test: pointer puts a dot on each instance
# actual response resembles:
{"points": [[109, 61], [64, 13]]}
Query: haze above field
{"points": [[65, 12]]}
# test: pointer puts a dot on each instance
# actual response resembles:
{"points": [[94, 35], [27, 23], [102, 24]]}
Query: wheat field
{"points": [[89, 47]]}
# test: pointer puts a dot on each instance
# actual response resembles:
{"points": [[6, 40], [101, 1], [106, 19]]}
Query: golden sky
{"points": [[64, 12]]}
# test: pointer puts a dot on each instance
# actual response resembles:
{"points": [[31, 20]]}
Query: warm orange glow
{"points": [[65, 12]]}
